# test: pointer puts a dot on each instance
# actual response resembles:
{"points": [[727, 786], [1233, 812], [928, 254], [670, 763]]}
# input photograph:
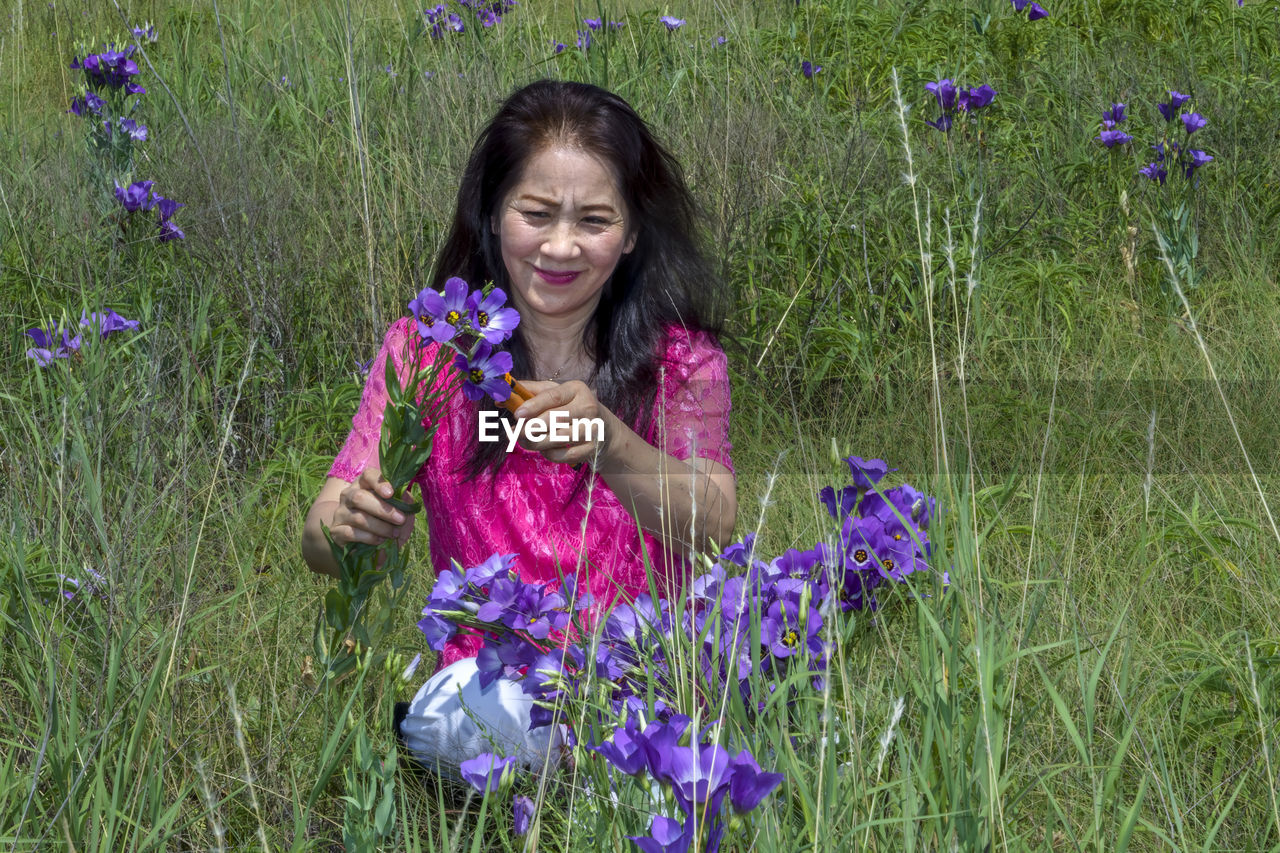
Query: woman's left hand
{"points": [[569, 424]]}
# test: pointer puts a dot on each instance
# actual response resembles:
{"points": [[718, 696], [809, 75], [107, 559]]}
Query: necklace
{"points": [[553, 377]]}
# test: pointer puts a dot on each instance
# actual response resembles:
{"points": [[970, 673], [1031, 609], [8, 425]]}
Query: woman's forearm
{"points": [[690, 509]]}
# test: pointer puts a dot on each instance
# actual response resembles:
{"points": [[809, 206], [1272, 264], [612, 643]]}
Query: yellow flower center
{"points": [[427, 320], [790, 639], [453, 317], [860, 555], [482, 318], [477, 375]]}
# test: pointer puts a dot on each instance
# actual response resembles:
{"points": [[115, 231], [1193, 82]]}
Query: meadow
{"points": [[1078, 360]]}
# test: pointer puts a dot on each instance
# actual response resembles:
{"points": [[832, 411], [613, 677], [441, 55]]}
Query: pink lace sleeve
{"points": [[361, 447], [693, 401]]}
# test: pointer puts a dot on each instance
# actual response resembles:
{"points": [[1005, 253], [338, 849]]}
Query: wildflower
{"points": [[136, 132], [484, 373], [593, 24], [1037, 12], [976, 98], [135, 196], [1155, 172], [107, 322], [557, 47], [1112, 138], [671, 22], [1170, 109], [166, 207], [943, 123], [521, 813], [1196, 159], [720, 40], [488, 18], [90, 103], [749, 784], [945, 91], [147, 31], [808, 69], [1114, 115], [866, 472], [584, 39], [666, 835], [169, 231], [47, 347], [487, 772], [617, 25], [488, 318], [440, 316], [1192, 122]]}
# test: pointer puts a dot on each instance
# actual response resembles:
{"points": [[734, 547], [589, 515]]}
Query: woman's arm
{"points": [[688, 505], [353, 512]]}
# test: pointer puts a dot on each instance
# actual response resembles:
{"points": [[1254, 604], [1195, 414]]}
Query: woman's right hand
{"points": [[363, 515]]}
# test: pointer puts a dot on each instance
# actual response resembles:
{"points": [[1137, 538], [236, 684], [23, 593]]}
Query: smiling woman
{"points": [[569, 205]]}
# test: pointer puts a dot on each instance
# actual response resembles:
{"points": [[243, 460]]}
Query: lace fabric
{"points": [[532, 507]]}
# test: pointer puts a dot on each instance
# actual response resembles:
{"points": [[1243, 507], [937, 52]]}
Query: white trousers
{"points": [[451, 720]]}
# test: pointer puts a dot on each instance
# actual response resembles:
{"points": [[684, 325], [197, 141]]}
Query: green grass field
{"points": [[991, 310]]}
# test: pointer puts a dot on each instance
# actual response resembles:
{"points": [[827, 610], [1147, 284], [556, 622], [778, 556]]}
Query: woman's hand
{"points": [[566, 411], [362, 514]]}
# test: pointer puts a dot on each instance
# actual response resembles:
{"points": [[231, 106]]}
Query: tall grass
{"points": [[1102, 672]]}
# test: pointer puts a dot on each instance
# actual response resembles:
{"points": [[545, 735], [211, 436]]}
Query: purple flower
{"points": [[137, 132], [584, 39], [90, 103], [488, 18], [440, 315], [740, 553], [486, 772], [1112, 138], [945, 91], [1115, 114], [1037, 12], [1193, 122], [521, 813], [749, 784], [557, 47], [808, 69], [169, 232], [47, 347], [720, 40], [593, 23], [1176, 100], [617, 25], [624, 750], [866, 472], [147, 32], [666, 835], [1197, 159], [943, 123], [107, 322], [488, 318], [484, 373], [166, 207], [1155, 172], [976, 98], [135, 196], [671, 23]]}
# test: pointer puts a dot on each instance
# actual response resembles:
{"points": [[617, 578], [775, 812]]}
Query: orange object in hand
{"points": [[519, 394]]}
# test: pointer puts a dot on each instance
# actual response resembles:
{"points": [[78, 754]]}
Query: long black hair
{"points": [[665, 280]]}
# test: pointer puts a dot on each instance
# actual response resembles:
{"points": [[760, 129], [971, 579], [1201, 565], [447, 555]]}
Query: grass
{"points": [[1104, 670]]}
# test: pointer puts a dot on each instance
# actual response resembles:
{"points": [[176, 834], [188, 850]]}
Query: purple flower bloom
{"points": [[484, 373], [1176, 100], [808, 69], [1019, 5], [945, 91], [107, 322], [976, 98], [1037, 12], [624, 750], [617, 25], [147, 32], [440, 315], [749, 784], [593, 23], [169, 232], [1115, 114], [943, 123], [1155, 172], [866, 472], [1112, 138], [720, 40], [167, 207], [671, 22], [1193, 122], [666, 835], [488, 318], [584, 39], [135, 196], [1197, 159], [90, 103], [557, 47], [137, 132], [486, 772], [521, 813]]}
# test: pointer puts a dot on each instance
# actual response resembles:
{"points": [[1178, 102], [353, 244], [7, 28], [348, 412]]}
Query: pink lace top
{"points": [[531, 507]]}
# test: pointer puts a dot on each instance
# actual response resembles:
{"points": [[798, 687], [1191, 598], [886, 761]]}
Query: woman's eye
{"points": [[596, 221], [535, 214]]}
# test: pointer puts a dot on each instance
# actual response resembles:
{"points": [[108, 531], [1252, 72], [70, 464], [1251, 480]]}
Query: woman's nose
{"points": [[561, 242]]}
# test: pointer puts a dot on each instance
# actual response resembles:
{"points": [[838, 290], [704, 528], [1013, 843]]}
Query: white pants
{"points": [[451, 720]]}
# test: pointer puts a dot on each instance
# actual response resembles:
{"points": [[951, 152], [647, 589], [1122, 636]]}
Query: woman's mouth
{"points": [[555, 276]]}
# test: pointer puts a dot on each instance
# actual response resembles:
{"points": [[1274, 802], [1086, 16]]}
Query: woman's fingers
{"points": [[364, 516]]}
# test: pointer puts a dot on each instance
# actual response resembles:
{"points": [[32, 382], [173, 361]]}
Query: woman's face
{"points": [[563, 228]]}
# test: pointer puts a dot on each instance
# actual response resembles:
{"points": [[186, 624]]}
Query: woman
{"points": [[570, 206]]}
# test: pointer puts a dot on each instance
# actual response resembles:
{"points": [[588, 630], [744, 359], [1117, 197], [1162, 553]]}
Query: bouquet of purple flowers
{"points": [[753, 632]]}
